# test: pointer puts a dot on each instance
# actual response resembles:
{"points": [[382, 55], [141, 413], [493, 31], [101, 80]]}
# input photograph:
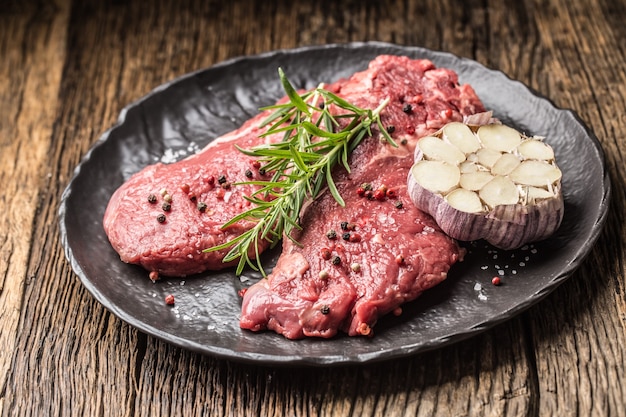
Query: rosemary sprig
{"points": [[314, 141]]}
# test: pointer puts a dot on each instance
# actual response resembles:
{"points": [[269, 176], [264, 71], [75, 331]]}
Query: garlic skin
{"points": [[509, 187]]}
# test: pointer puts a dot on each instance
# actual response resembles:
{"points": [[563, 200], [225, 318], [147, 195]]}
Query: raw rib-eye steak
{"points": [[384, 252], [165, 215], [359, 262]]}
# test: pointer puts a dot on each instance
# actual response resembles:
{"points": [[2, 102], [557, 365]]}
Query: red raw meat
{"points": [[388, 252]]}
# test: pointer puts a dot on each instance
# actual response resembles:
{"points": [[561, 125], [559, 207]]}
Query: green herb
{"points": [[314, 141]]}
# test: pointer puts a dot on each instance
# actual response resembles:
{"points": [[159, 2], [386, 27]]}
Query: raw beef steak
{"points": [[356, 263], [168, 234]]}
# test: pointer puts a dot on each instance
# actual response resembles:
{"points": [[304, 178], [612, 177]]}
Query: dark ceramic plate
{"points": [[187, 113]]}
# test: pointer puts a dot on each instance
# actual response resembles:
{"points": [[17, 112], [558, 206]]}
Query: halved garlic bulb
{"points": [[488, 182]]}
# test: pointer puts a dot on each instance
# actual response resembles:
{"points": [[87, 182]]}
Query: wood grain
{"points": [[31, 47], [68, 67]]}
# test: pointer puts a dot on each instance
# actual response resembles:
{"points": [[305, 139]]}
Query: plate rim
{"points": [[369, 357]]}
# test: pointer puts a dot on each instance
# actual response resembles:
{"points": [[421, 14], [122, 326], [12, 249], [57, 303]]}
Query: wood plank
{"points": [[32, 40], [64, 354], [579, 350], [478, 377]]}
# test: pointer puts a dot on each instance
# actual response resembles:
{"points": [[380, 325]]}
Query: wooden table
{"points": [[67, 68]]}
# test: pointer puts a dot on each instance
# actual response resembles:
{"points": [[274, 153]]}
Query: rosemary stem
{"points": [[304, 174]]}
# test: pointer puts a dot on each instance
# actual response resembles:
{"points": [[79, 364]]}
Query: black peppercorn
{"points": [[161, 218], [152, 199], [336, 260], [202, 206], [221, 179], [166, 206], [331, 234], [325, 309], [407, 108]]}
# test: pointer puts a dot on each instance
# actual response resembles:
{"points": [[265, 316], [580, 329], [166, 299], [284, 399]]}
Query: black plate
{"points": [[187, 113]]}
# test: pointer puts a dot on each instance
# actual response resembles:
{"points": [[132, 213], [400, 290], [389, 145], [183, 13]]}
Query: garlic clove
{"points": [[465, 200], [536, 173], [488, 157], [474, 181], [437, 176], [499, 137], [535, 149], [435, 148], [505, 164], [499, 191], [460, 135]]}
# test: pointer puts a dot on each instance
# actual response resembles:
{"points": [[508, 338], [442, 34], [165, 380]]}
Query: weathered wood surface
{"points": [[68, 67]]}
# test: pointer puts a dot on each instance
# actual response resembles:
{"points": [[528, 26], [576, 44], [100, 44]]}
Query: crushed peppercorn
{"points": [[398, 204], [221, 179], [325, 309], [202, 206], [391, 129], [331, 234], [336, 260], [407, 108]]}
